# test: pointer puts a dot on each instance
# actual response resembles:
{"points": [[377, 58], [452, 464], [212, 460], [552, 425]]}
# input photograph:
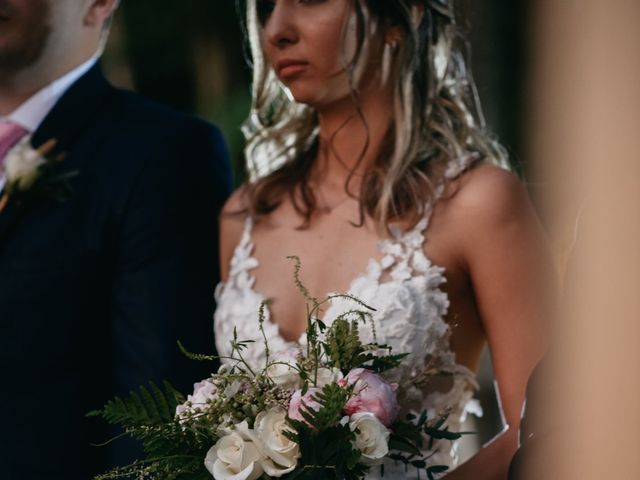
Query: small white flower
{"points": [[282, 452], [22, 165], [225, 426], [232, 389], [284, 375], [372, 437], [234, 458], [327, 376]]}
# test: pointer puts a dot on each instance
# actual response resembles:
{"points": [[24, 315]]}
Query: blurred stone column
{"points": [[584, 133]]}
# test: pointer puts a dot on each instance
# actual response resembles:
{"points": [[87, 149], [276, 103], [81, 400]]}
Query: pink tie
{"points": [[10, 134]]}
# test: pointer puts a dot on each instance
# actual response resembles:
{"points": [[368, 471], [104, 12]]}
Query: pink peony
{"points": [[297, 400], [372, 394]]}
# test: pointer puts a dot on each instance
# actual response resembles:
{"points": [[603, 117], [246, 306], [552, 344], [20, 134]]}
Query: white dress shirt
{"points": [[32, 112]]}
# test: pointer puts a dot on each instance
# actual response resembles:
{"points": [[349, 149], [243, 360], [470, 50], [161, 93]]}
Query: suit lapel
{"points": [[64, 123]]}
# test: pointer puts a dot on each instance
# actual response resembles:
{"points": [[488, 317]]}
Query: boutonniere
{"points": [[30, 172]]}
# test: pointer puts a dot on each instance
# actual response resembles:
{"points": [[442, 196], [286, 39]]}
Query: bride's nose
{"points": [[280, 29]]}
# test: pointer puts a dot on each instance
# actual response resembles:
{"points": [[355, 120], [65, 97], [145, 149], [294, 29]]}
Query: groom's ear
{"points": [[99, 11]]}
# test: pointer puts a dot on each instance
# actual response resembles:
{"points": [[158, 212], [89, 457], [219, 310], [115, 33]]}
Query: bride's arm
{"points": [[511, 270]]}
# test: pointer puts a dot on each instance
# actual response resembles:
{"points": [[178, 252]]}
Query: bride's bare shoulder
{"points": [[232, 221], [484, 206], [487, 195]]}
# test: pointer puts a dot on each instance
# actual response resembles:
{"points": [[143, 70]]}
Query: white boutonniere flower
{"points": [[23, 165], [28, 169]]}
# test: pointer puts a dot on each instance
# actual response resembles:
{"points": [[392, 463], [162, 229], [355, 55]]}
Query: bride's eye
{"points": [[264, 8]]}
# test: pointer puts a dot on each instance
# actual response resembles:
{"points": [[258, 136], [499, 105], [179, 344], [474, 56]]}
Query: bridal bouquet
{"points": [[323, 411]]}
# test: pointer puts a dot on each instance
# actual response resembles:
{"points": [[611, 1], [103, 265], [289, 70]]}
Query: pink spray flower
{"points": [[372, 394], [297, 400]]}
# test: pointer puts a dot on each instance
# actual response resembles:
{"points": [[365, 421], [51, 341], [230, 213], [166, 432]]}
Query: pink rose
{"points": [[372, 394], [297, 400]]}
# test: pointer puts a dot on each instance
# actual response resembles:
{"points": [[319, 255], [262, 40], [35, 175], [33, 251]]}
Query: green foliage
{"points": [[382, 363], [345, 350], [148, 407], [343, 346], [332, 400], [175, 468], [301, 287], [326, 448], [175, 450], [198, 357], [407, 441], [326, 454]]}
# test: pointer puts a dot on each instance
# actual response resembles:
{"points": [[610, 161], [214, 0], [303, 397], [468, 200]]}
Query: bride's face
{"points": [[308, 43]]}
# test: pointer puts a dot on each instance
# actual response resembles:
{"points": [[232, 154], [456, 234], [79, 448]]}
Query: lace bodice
{"points": [[404, 288]]}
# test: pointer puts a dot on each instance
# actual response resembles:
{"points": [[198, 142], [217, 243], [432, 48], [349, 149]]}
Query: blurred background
{"points": [[191, 55], [530, 61]]}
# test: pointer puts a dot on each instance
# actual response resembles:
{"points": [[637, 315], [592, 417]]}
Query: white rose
{"points": [[234, 458], [371, 437], [327, 376], [22, 164], [284, 375], [282, 452]]}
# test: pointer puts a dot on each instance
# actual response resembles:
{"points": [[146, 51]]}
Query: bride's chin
{"points": [[316, 94], [305, 96]]}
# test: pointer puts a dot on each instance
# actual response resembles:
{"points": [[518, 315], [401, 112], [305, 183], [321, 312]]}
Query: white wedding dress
{"points": [[404, 288]]}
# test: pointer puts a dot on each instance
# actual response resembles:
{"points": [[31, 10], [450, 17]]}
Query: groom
{"points": [[107, 252]]}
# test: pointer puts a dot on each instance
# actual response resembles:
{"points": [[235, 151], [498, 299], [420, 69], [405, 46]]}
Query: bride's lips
{"points": [[288, 68]]}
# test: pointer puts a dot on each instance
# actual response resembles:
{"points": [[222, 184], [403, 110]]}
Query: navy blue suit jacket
{"points": [[96, 290]]}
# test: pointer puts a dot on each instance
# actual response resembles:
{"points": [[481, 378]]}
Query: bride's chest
{"points": [[331, 256]]}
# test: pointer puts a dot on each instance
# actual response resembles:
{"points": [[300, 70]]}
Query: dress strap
{"points": [[404, 250], [454, 170], [242, 260]]}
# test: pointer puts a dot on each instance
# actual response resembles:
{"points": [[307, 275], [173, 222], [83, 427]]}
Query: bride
{"points": [[368, 160]]}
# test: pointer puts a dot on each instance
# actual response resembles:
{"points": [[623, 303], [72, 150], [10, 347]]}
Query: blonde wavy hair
{"points": [[437, 117]]}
